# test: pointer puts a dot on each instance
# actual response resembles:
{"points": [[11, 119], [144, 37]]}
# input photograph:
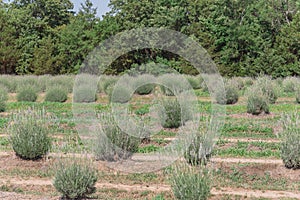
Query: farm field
{"points": [[245, 163]]}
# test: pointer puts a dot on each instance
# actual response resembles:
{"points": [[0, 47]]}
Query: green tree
{"points": [[9, 54], [79, 38]]}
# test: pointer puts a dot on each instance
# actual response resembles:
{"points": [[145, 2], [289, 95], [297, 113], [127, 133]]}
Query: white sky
{"points": [[102, 5]]}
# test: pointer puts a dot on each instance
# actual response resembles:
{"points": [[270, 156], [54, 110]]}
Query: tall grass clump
{"points": [[290, 84], [113, 142], [257, 101], [190, 183], [84, 94], [75, 178], [27, 93], [56, 94], [194, 81], [142, 85], [122, 90], [237, 82], [290, 136], [3, 98], [9, 82], [107, 83], [172, 114], [42, 81], [85, 88], [228, 96], [29, 80], [63, 81], [297, 93], [29, 133], [173, 84], [200, 150], [269, 88], [120, 94]]}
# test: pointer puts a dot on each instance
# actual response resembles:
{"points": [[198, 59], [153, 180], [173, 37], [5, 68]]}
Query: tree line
{"points": [[244, 37]]}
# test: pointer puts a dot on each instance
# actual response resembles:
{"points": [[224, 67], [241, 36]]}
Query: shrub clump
{"points": [[172, 114], [290, 84], [84, 94], [56, 94], [107, 83], [229, 96], [120, 94], [29, 134], [290, 146], [257, 102], [144, 89], [190, 183], [298, 95], [200, 150], [27, 93], [3, 98], [173, 84], [195, 81], [114, 143], [269, 88], [64, 81], [75, 179]]}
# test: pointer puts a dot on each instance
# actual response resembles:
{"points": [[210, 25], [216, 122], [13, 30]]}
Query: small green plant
{"points": [[3, 98], [290, 147], [113, 143], [27, 93], [172, 114], [257, 102], [229, 96], [75, 179], [29, 131], [56, 94], [190, 183]]}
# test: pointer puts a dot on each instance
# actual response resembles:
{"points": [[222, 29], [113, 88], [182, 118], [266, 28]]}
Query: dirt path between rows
{"points": [[154, 188], [145, 157], [235, 140]]}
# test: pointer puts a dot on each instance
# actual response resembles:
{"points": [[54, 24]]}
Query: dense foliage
{"points": [[245, 38]]}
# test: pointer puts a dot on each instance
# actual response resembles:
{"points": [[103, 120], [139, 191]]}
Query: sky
{"points": [[102, 5]]}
